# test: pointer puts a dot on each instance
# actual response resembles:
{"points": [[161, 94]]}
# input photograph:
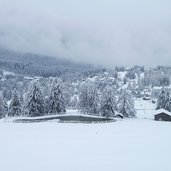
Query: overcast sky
{"points": [[107, 32]]}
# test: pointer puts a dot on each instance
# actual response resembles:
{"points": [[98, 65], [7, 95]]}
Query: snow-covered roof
{"points": [[162, 111], [117, 113], [157, 88]]}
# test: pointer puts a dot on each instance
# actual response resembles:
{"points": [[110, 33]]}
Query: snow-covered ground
{"points": [[126, 145], [145, 108], [8, 73]]}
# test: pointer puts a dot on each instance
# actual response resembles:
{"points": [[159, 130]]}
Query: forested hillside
{"points": [[38, 65]]}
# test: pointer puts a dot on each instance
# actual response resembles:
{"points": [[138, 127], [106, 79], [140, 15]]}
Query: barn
{"points": [[162, 115]]}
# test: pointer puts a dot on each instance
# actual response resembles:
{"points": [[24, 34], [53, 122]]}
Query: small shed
{"points": [[162, 115], [118, 115]]}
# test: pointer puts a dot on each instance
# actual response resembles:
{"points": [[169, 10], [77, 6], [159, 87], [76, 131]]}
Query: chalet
{"points": [[162, 115]]}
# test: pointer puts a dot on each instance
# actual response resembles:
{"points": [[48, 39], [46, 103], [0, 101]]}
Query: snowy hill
{"points": [[38, 65]]}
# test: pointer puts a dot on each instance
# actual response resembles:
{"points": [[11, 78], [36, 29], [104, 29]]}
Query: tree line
{"points": [[91, 101]]}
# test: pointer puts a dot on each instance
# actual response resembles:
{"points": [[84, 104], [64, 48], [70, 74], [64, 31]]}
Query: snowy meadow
{"points": [[126, 145], [133, 144]]}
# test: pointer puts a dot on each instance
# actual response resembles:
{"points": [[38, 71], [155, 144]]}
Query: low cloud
{"points": [[124, 39]]}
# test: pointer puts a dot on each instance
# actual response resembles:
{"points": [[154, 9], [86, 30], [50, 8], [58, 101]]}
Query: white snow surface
{"points": [[126, 145], [8, 73], [145, 108]]}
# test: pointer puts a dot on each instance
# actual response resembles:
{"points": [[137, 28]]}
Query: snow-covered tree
{"points": [[131, 74], [34, 102], [108, 102], [3, 111], [56, 99], [15, 106], [6, 107], [164, 81], [126, 105], [74, 101], [89, 99], [67, 96], [164, 101], [168, 102]]}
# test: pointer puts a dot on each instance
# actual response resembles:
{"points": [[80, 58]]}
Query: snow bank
{"points": [[70, 116]]}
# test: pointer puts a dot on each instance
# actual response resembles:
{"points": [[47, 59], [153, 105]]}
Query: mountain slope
{"points": [[39, 65]]}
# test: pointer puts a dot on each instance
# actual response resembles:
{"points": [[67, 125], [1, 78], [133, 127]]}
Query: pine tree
{"points": [[162, 100], [74, 101], [15, 105], [126, 105], [89, 99], [6, 107], [34, 103], [3, 111], [167, 102], [56, 99], [108, 102]]}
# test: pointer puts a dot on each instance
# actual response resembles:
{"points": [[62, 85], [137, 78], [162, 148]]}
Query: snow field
{"points": [[145, 109], [127, 145]]}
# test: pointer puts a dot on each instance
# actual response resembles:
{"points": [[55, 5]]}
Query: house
{"points": [[146, 97], [162, 115], [147, 94]]}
